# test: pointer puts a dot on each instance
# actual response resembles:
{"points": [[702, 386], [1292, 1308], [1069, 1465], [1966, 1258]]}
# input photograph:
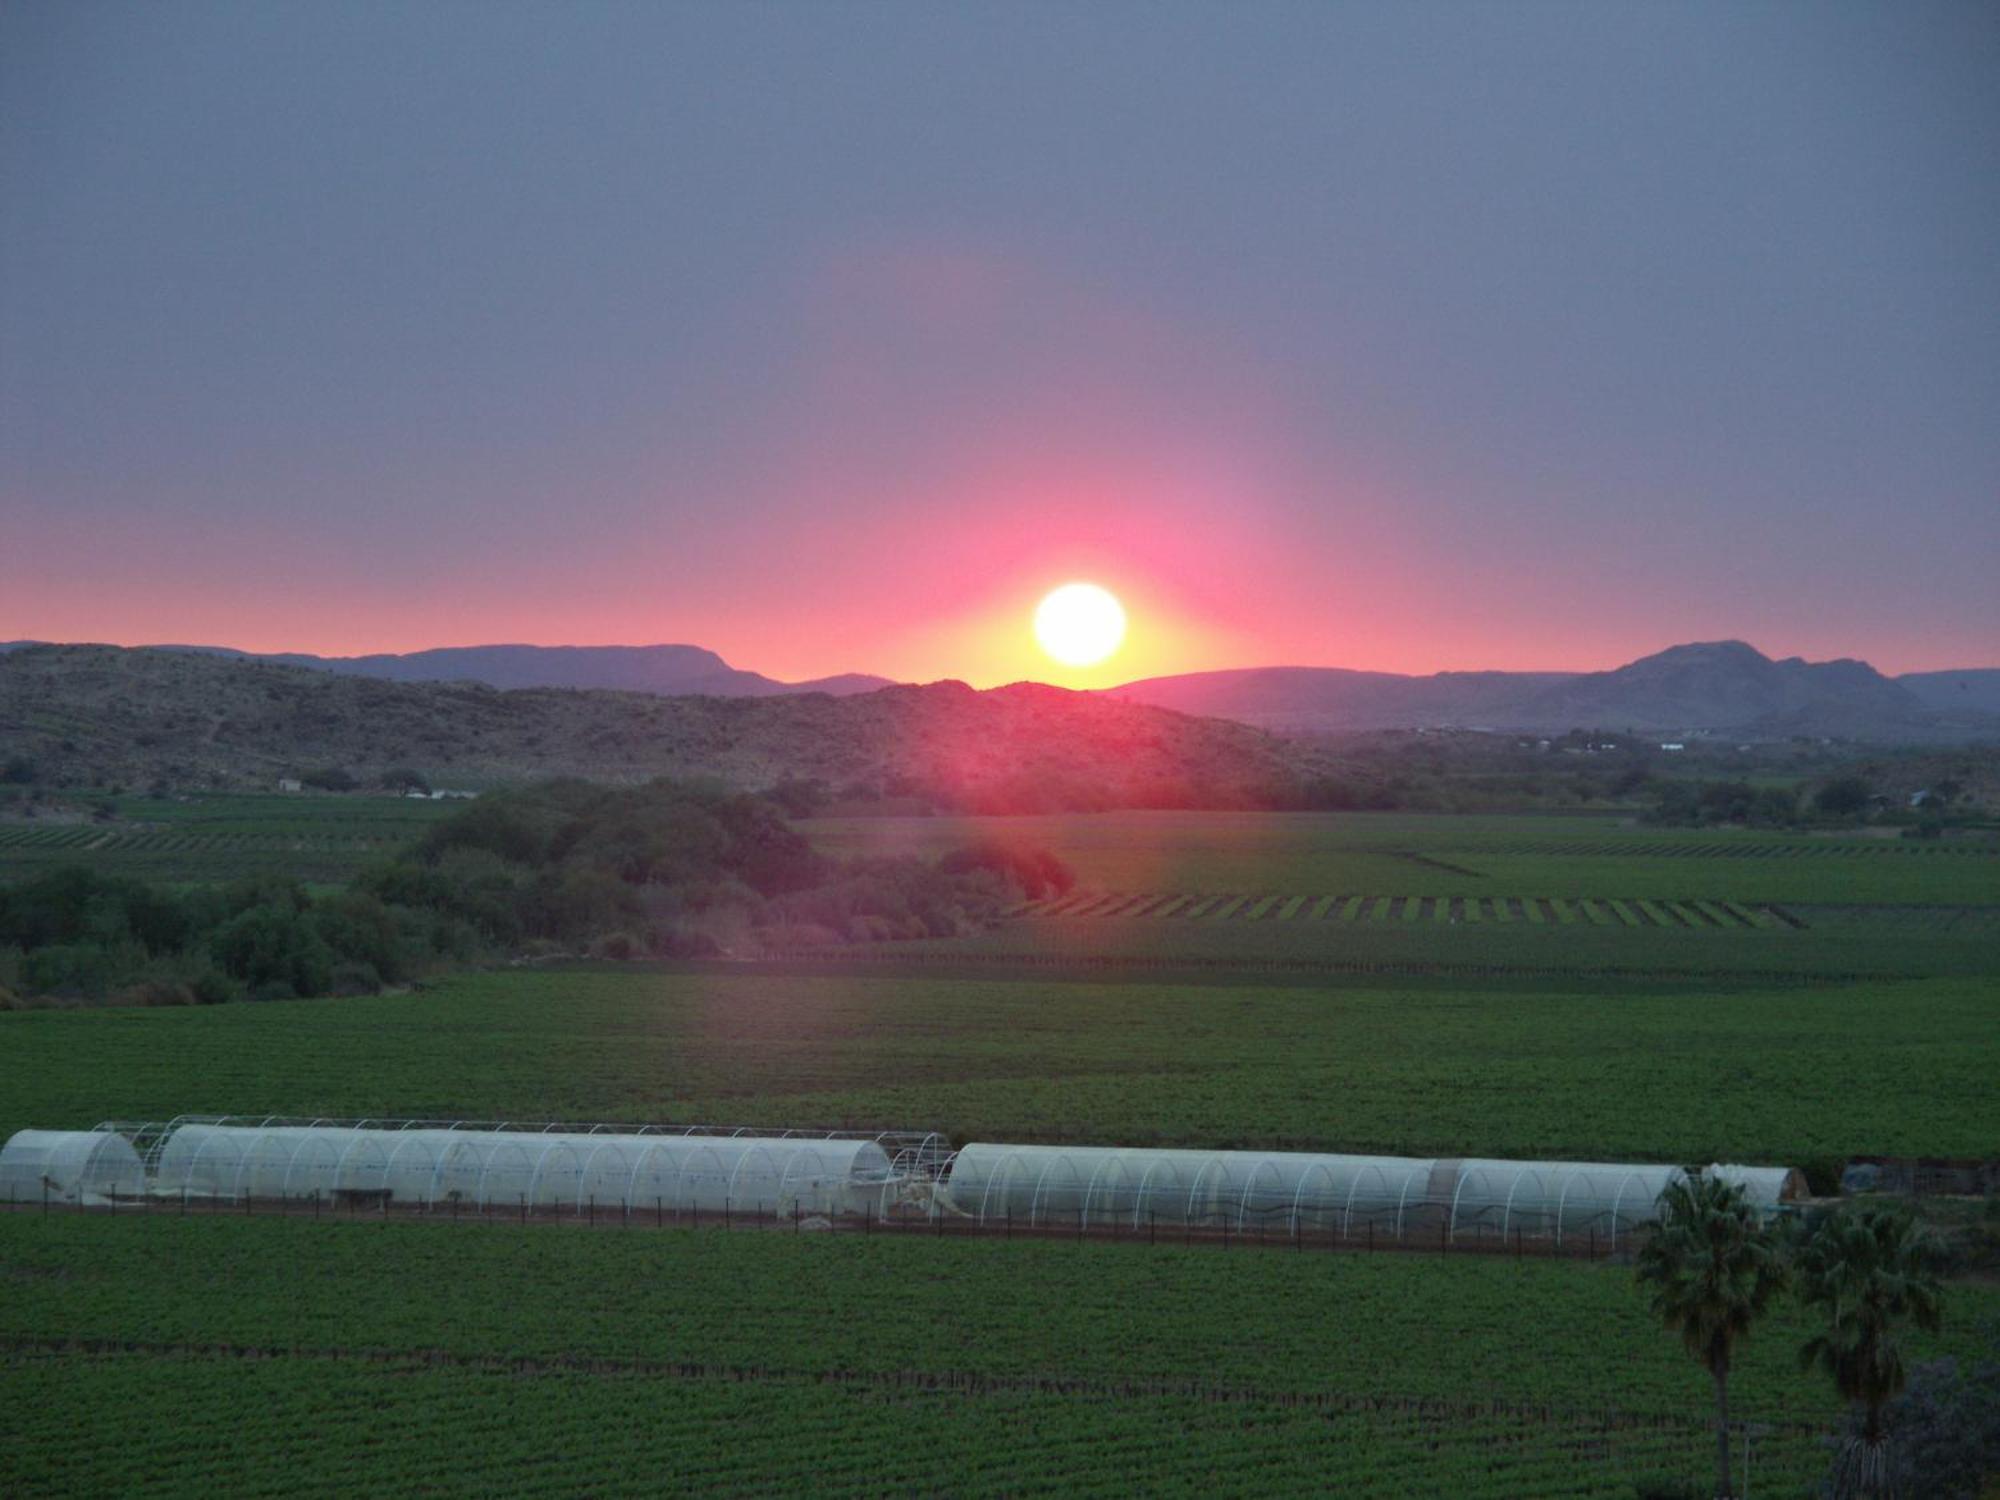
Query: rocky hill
{"points": [[102, 715], [1975, 691], [1721, 686], [631, 669]]}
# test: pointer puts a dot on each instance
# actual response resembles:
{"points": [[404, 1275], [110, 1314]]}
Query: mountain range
{"points": [[99, 716], [672, 671], [1724, 687], [1719, 687]]}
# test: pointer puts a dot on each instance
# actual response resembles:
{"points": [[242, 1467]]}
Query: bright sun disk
{"points": [[1080, 624]]}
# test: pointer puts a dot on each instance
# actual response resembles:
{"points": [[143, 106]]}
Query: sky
{"points": [[831, 336]]}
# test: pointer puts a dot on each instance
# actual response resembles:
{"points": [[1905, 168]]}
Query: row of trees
{"points": [[662, 870], [1712, 1269]]}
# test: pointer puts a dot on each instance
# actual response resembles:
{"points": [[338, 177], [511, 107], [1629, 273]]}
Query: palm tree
{"points": [[1712, 1269], [1868, 1273]]}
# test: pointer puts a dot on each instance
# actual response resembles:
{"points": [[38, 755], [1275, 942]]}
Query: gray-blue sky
{"points": [[1399, 335]]}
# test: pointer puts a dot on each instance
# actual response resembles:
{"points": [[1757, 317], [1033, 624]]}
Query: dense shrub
{"points": [[663, 870]]}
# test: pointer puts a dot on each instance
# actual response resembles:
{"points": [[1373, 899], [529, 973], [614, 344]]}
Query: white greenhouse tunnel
{"points": [[1088, 1186], [69, 1166], [539, 1168], [428, 1165], [477, 1167]]}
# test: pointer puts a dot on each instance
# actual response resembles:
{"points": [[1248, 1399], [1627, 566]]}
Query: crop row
{"points": [[93, 837], [1598, 911], [1557, 1070], [290, 1425], [1562, 1338], [1670, 849]]}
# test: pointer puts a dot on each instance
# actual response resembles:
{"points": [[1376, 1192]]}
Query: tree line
{"points": [[663, 870]]}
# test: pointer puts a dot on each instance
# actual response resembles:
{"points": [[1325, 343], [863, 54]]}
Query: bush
{"points": [[1036, 873], [275, 950], [330, 779], [1844, 797], [1944, 1430]]}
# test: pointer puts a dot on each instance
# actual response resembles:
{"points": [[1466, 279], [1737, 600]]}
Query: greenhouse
{"points": [[559, 1169], [1299, 1192], [69, 1166], [430, 1164]]}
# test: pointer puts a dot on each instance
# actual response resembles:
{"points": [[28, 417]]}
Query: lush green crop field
{"points": [[544, 1358], [1415, 855], [1659, 1073], [1428, 986], [311, 838]]}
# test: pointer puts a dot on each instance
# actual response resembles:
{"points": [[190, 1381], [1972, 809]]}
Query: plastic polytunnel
{"points": [[480, 1168], [1400, 1197], [69, 1166]]}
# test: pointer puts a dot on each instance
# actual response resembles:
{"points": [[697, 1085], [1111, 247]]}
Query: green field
{"points": [[223, 837], [1784, 1075], [1479, 897], [1433, 855], [393, 1357], [1526, 987]]}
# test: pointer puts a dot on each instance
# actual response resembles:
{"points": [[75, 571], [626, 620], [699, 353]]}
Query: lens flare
{"points": [[1080, 624]]}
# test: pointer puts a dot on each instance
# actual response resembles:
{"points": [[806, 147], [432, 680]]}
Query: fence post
{"points": [[315, 1205], [593, 1210], [725, 1211], [524, 1208], [1152, 1226], [184, 1202], [659, 1213]]}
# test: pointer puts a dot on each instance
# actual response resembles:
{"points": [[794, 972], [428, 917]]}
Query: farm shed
{"points": [[69, 1166], [1399, 1197], [431, 1164]]}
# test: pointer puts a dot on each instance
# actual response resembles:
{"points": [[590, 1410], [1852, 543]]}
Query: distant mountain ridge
{"points": [[99, 716], [1724, 687], [669, 670], [1712, 686]]}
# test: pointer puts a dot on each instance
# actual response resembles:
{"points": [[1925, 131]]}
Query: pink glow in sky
{"points": [[830, 338]]}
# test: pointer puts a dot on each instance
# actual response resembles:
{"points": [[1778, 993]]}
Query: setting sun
{"points": [[1080, 624]]}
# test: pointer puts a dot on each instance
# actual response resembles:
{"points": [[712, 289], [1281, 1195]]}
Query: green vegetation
{"points": [[1573, 987], [663, 869], [1788, 1075], [1868, 1275], [1092, 1365], [1711, 1272]]}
